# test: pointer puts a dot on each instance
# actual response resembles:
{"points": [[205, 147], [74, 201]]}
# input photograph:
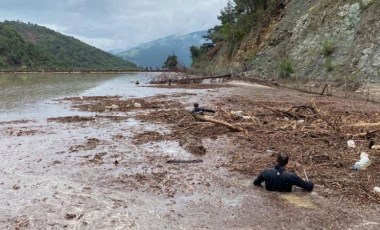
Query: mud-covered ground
{"points": [[146, 163]]}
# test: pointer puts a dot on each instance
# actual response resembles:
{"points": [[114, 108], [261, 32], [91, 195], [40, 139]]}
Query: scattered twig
{"points": [[327, 89], [332, 124], [306, 107], [307, 178], [183, 161], [286, 113], [340, 199], [229, 114]]}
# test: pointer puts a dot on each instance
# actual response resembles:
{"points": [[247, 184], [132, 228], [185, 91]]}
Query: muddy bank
{"points": [[112, 170]]}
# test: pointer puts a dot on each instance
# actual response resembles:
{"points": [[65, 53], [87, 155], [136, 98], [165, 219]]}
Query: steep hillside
{"points": [[319, 39], [154, 53], [68, 52], [18, 54]]}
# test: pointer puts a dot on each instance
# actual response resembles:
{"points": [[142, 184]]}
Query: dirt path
{"points": [[110, 171]]}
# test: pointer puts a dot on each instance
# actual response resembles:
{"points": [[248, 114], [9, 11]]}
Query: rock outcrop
{"points": [[322, 39]]}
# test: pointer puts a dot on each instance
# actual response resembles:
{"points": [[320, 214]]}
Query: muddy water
{"points": [[30, 96], [65, 176]]}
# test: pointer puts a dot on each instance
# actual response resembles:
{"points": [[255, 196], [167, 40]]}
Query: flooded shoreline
{"points": [[110, 169], [32, 96]]}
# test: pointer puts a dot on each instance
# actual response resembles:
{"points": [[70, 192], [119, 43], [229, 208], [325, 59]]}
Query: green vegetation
{"points": [[351, 82], [17, 54], [327, 48], [237, 19], [328, 65], [171, 62], [197, 52], [29, 47], [286, 69]]}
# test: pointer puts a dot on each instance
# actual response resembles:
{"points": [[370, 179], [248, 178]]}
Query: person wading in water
{"points": [[277, 179]]}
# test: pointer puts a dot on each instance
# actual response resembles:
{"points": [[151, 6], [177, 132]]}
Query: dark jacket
{"points": [[199, 110], [277, 179]]}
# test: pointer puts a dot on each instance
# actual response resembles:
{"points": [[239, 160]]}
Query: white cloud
{"points": [[113, 24], [60, 29]]}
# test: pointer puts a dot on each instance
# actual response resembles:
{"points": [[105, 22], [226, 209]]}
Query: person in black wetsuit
{"points": [[277, 179], [198, 110]]}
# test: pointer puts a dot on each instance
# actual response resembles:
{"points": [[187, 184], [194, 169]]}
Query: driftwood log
{"points": [[228, 125]]}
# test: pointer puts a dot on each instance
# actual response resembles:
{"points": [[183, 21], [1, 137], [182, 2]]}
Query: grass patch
{"points": [[349, 82], [327, 48], [286, 68], [329, 65]]}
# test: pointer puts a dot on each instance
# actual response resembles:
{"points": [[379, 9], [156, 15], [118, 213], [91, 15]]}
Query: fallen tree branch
{"points": [[264, 114], [364, 124], [306, 107], [333, 124], [232, 127], [297, 116], [183, 161], [286, 113], [183, 78], [365, 134], [327, 89], [229, 114]]}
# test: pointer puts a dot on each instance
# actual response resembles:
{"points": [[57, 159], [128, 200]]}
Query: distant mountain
{"points": [[32, 47], [154, 53]]}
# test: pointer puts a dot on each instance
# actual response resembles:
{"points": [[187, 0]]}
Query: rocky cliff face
{"points": [[324, 39]]}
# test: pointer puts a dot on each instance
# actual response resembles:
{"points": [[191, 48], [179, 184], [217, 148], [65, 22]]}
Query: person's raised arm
{"points": [[260, 179]]}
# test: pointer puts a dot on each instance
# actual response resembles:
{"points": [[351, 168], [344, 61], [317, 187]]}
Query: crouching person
{"points": [[199, 110], [277, 179]]}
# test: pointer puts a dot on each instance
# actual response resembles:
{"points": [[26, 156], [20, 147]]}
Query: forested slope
{"points": [[16, 53], [38, 48]]}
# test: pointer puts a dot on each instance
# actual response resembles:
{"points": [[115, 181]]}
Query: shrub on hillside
{"points": [[327, 48], [286, 69]]}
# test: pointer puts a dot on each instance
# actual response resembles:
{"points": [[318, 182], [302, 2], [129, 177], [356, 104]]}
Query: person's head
{"points": [[196, 105], [282, 159]]}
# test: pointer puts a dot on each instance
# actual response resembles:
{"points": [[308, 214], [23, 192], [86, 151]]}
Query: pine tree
{"points": [[171, 62]]}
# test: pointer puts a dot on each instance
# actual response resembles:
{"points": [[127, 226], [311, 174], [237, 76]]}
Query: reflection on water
{"points": [[29, 96], [300, 201]]}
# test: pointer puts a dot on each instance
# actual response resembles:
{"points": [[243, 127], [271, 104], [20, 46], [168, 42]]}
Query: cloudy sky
{"points": [[116, 24]]}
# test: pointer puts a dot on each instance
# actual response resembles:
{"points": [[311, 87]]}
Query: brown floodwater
{"points": [[64, 175]]}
